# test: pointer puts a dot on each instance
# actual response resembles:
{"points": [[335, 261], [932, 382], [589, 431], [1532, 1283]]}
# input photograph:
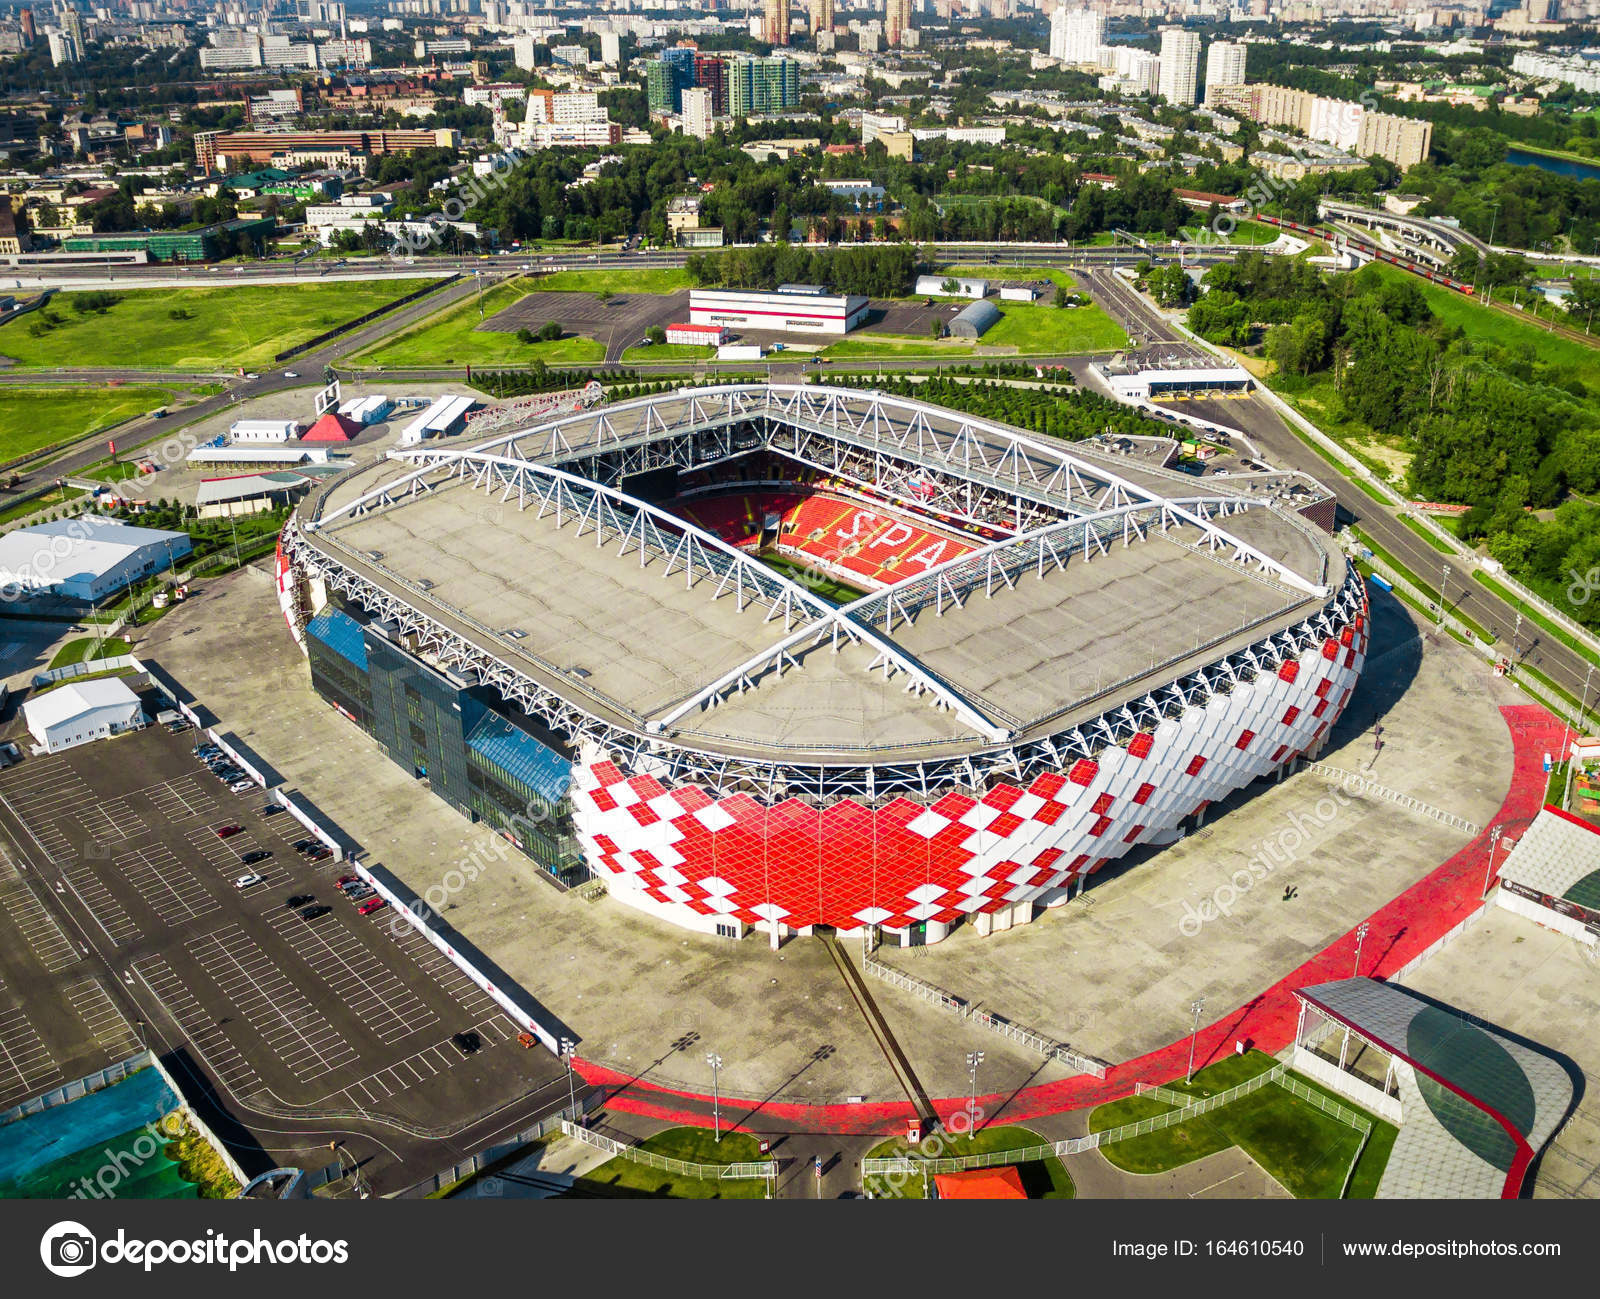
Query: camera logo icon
{"points": [[68, 1249]]}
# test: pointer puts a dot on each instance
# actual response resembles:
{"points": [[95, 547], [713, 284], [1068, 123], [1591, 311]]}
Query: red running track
{"points": [[1398, 932]]}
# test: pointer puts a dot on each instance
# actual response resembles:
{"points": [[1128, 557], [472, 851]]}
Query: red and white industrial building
{"points": [[793, 308], [698, 335]]}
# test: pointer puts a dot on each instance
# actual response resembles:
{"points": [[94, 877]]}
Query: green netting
{"points": [[131, 1166], [1586, 892]]}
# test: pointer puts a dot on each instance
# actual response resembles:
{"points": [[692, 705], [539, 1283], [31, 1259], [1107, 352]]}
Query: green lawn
{"points": [[629, 1178], [1246, 232], [1306, 1150], [816, 582], [1044, 1179], [34, 418], [869, 346], [1012, 274], [670, 352], [653, 280], [223, 327], [452, 337], [75, 651], [1042, 330], [50, 500]]}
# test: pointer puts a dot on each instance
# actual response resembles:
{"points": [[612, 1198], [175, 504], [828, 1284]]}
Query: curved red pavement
{"points": [[1399, 931]]}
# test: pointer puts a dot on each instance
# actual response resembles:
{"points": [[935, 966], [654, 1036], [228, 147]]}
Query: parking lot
{"points": [[113, 873], [619, 321]]}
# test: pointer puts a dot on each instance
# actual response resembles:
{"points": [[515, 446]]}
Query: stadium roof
{"points": [[1109, 590], [1477, 1104], [1558, 855]]}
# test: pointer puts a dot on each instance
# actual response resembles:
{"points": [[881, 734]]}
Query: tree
{"points": [[549, 331], [656, 334], [1062, 298]]}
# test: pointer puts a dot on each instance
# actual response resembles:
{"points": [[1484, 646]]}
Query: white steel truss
{"points": [[638, 527], [1086, 505]]}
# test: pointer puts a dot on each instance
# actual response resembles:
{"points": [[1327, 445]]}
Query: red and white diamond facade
{"points": [[1090, 652]]}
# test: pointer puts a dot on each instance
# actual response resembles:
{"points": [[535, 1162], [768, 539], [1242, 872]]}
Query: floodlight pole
{"points": [[1361, 937], [1197, 1006], [974, 1059], [1494, 842], [715, 1061], [567, 1048]]}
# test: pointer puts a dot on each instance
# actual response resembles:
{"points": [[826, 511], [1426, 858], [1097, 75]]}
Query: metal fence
{"points": [[493, 1154], [1045, 1046], [1187, 1108], [79, 1088], [1354, 779], [748, 1171]]}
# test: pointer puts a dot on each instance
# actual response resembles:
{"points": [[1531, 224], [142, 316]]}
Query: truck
{"points": [[739, 352]]}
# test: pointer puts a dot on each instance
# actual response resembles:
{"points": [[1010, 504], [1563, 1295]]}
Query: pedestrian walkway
{"points": [[1396, 933]]}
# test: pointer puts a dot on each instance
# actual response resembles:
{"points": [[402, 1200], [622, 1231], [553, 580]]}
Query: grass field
{"points": [[670, 352], [223, 327], [34, 418], [1036, 330], [49, 500], [668, 280], [1246, 232], [1043, 1179], [1305, 1150], [817, 582], [76, 651], [870, 345], [1013, 274], [629, 1178], [452, 337], [1486, 325]]}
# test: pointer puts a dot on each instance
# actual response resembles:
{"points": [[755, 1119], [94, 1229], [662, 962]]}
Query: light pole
{"points": [[1494, 842], [715, 1061], [1361, 937], [1197, 1006], [1583, 708], [974, 1059], [567, 1048]]}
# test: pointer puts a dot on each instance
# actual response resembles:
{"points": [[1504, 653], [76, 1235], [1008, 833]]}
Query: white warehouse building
{"points": [[81, 711], [794, 308], [86, 558]]}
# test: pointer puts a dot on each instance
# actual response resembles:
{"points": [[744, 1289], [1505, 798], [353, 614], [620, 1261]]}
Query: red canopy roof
{"points": [[981, 1184], [332, 427]]}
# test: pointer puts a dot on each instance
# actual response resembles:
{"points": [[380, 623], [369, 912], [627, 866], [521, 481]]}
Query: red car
{"points": [[343, 880], [224, 831], [371, 905]]}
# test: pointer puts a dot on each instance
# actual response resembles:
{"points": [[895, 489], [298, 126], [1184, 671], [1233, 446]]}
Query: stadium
{"points": [[796, 658]]}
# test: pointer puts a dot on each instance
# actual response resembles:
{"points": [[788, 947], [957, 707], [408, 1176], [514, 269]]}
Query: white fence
{"points": [[115, 663], [1188, 1108], [764, 1170], [309, 822], [515, 1012], [493, 1154], [77, 1088], [1351, 779], [1045, 1046]]}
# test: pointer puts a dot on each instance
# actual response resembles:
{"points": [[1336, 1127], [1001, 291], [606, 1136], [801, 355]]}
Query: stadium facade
{"points": [[602, 635]]}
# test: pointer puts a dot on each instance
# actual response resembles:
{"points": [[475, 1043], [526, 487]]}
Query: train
{"points": [[1370, 248]]}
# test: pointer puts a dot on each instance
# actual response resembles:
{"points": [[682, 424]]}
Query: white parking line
{"points": [[26, 1065], [168, 887], [107, 912], [54, 950], [226, 1062], [101, 1017], [296, 1031], [386, 1006]]}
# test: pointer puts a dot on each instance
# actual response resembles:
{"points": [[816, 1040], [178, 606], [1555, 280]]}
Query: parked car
{"points": [[311, 913], [467, 1043], [371, 905], [242, 786], [353, 886], [318, 854], [259, 854], [248, 881], [228, 831], [346, 879], [300, 900], [271, 809]]}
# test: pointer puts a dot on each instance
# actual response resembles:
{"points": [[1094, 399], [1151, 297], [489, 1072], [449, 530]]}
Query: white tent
{"points": [[81, 711]]}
